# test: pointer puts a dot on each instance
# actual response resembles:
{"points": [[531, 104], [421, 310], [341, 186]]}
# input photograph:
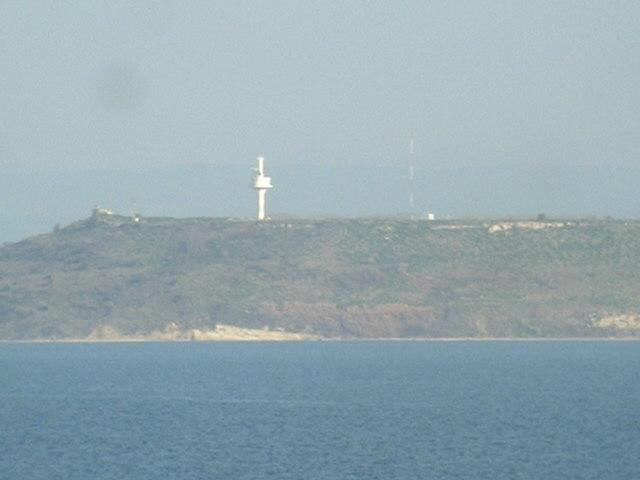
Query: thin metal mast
{"points": [[412, 154]]}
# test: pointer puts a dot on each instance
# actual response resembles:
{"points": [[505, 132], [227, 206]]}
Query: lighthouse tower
{"points": [[261, 184]]}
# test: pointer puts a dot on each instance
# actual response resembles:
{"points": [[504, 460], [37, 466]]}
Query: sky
{"points": [[121, 85]]}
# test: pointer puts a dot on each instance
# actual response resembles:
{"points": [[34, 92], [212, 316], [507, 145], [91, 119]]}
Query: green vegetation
{"points": [[339, 278]]}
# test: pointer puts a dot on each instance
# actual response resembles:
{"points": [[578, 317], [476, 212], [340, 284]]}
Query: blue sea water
{"points": [[321, 410]]}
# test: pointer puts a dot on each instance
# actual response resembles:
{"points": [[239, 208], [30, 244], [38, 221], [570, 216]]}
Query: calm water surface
{"points": [[394, 410]]}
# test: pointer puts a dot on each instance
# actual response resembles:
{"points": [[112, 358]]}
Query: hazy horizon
{"points": [[136, 87]]}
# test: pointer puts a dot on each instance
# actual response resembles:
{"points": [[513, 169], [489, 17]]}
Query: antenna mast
{"points": [[412, 154]]}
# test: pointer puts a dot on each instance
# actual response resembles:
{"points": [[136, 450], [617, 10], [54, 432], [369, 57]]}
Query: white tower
{"points": [[261, 184]]}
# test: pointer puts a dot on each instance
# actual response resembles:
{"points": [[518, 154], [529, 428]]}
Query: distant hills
{"points": [[346, 278], [35, 202]]}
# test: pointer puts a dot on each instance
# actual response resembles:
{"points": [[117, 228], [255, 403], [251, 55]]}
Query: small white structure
{"points": [[430, 216], [97, 210], [261, 184]]}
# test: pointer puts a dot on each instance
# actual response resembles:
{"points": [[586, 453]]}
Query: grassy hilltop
{"points": [[336, 278]]}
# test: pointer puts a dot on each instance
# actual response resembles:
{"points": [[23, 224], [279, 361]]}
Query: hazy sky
{"points": [[124, 84]]}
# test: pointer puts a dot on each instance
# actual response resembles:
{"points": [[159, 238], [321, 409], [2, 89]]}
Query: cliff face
{"points": [[336, 278]]}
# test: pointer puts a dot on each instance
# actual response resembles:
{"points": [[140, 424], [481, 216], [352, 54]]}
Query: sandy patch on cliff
{"points": [[220, 333], [626, 321], [508, 226]]}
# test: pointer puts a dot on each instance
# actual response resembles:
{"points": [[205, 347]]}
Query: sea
{"points": [[321, 410]]}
